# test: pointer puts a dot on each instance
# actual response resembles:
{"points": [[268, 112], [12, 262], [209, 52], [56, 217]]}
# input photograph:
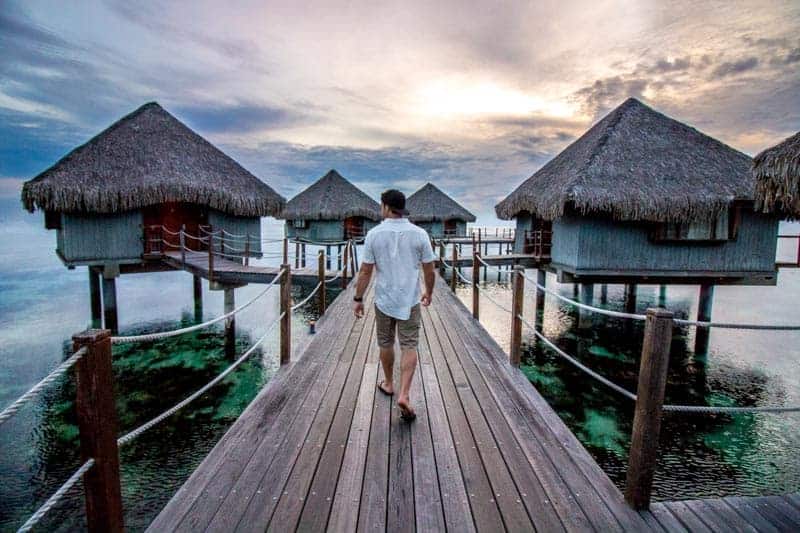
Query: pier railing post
{"points": [[453, 279], [649, 403], [518, 291], [210, 255], [441, 258], [296, 254], [286, 309], [183, 245], [285, 251], [247, 250], [344, 265], [97, 423], [321, 275], [476, 269]]}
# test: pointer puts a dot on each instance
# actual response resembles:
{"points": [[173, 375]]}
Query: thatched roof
{"points": [[777, 174], [636, 164], [430, 204], [149, 157], [331, 198]]}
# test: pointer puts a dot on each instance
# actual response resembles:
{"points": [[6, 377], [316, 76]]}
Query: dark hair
{"points": [[394, 200]]}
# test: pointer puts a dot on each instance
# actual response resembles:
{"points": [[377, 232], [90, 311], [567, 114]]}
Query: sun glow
{"points": [[454, 98]]}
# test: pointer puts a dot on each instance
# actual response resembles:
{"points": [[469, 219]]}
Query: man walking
{"points": [[396, 248]]}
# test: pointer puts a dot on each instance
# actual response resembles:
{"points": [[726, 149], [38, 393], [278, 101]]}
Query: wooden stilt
{"points": [[453, 279], [230, 323], [541, 279], [328, 257], [286, 310], [518, 291], [649, 402], [197, 286], [94, 296], [339, 257], [662, 295], [97, 425], [110, 303], [630, 298], [603, 293], [285, 251], [476, 266], [584, 316], [704, 305], [297, 255], [343, 263], [321, 277], [303, 255]]}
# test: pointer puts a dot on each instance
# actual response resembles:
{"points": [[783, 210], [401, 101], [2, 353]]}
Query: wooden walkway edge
{"points": [[321, 449]]}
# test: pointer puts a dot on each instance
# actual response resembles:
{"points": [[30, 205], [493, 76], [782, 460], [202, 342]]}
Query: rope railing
{"points": [[164, 334], [57, 372], [57, 495], [493, 267], [305, 300], [128, 437]]}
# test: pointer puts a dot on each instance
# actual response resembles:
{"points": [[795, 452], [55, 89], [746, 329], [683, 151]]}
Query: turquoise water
{"points": [[701, 455], [43, 304]]}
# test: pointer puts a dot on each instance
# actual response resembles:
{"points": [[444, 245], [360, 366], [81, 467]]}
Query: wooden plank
{"points": [[750, 514], [779, 511], [427, 498], [690, 520], [455, 500], [275, 456], [322, 489], [400, 511], [482, 494], [583, 478], [665, 518], [716, 519], [537, 502], [652, 521], [294, 472], [372, 504], [793, 499]]}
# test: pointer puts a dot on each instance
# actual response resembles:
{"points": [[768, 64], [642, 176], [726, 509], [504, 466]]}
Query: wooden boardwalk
{"points": [[233, 272], [320, 448]]}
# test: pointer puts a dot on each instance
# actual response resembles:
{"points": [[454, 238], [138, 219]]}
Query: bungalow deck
{"points": [[321, 448], [232, 272]]}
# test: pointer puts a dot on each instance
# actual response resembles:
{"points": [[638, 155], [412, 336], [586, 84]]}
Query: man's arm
{"points": [[429, 276], [364, 275]]}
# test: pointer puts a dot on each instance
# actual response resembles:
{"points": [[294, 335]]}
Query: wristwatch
{"points": [[358, 298]]}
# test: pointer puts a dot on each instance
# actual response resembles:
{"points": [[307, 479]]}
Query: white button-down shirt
{"points": [[397, 248]]}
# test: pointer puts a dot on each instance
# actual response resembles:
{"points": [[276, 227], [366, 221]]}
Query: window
{"points": [[299, 223], [721, 228]]}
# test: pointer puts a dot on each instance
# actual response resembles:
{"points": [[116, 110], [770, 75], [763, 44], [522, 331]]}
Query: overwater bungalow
{"points": [[643, 198], [330, 210], [108, 199], [437, 213], [777, 174]]}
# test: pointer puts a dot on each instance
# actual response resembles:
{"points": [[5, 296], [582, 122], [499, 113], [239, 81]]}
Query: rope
{"points": [[128, 437], [724, 325], [57, 495], [12, 409], [578, 364], [166, 230], [307, 298], [495, 302], [334, 278], [164, 334]]}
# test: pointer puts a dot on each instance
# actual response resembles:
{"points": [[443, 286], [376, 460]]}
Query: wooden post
{"points": [[515, 352], [110, 303], [476, 268], [344, 266], [630, 298], [182, 237], [94, 296], [441, 258], [286, 309], [222, 243], [662, 295], [296, 254], [338, 257], [197, 286], [649, 401], [604, 293], [247, 250], [541, 279], [328, 256], [453, 279], [97, 423], [321, 276], [587, 297], [230, 323], [798, 251], [210, 256], [285, 251], [704, 305], [303, 255]]}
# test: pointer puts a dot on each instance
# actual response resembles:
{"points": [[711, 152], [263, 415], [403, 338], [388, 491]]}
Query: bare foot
{"points": [[406, 412], [386, 388]]}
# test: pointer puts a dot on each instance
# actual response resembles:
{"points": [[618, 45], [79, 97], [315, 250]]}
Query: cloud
{"points": [[10, 187], [240, 118], [730, 68], [605, 94]]}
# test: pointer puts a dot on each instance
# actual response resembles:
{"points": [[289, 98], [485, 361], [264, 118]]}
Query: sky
{"points": [[472, 96]]}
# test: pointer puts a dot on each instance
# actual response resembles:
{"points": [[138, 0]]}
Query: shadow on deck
{"points": [[320, 448]]}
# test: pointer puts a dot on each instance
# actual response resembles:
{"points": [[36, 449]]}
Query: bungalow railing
{"points": [[650, 392], [538, 243], [488, 233], [97, 420]]}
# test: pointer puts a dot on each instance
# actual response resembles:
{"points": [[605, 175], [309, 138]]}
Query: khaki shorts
{"points": [[408, 330]]}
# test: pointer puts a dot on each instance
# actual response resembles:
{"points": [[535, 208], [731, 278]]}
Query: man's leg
{"points": [[408, 332], [387, 362], [384, 330], [408, 364]]}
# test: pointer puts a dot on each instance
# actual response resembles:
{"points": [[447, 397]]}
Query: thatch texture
{"points": [[149, 157], [430, 204], [777, 174], [331, 198], [636, 164]]}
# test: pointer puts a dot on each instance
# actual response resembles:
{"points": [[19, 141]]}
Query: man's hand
{"points": [[358, 309], [426, 299]]}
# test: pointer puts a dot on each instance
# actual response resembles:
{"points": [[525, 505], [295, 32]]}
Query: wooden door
{"points": [[167, 219], [353, 227]]}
